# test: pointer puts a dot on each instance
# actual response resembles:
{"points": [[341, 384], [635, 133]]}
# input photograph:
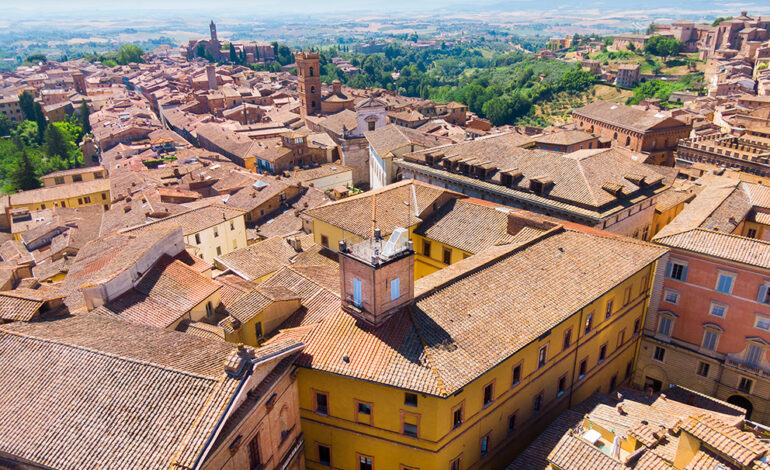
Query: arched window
{"points": [[628, 140], [312, 90], [311, 71], [615, 136]]}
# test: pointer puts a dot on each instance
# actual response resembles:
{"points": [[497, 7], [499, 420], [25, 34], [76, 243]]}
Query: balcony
{"points": [[739, 362]]}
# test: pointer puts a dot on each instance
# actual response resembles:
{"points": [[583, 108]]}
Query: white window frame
{"points": [[762, 352], [718, 304], [358, 297], [395, 288], [764, 289], [760, 317], [655, 350], [751, 384], [668, 292], [716, 333], [665, 316], [685, 269], [545, 356], [731, 275]]}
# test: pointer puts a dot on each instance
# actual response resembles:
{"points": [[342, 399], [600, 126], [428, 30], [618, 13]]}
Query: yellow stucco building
{"points": [[95, 191], [257, 314], [208, 231], [462, 367], [75, 175]]}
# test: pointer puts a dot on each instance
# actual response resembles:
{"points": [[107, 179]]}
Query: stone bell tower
{"points": [[213, 30]]}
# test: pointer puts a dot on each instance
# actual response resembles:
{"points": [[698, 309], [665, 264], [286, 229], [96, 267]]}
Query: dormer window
{"points": [[638, 180], [613, 188], [540, 184]]}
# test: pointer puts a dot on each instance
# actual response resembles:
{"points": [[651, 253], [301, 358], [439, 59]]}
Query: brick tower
{"points": [[309, 82]]}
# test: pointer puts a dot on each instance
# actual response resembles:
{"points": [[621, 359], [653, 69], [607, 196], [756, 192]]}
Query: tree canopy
{"points": [[129, 53], [663, 46], [23, 176]]}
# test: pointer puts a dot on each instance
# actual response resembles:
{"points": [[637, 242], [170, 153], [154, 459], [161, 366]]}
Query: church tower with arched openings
{"points": [[309, 82], [213, 30]]}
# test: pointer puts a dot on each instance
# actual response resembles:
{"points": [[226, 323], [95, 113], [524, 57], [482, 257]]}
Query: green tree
{"points": [[37, 58], [55, 144], [85, 113], [27, 105], [23, 175], [5, 126], [719, 20], [42, 123], [129, 53], [233, 55], [284, 55], [663, 46]]}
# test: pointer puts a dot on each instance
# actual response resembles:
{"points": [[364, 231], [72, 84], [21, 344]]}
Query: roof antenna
{"points": [[374, 212]]}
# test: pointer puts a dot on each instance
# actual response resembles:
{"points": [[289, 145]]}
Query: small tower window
{"points": [[395, 288], [357, 292], [311, 71]]}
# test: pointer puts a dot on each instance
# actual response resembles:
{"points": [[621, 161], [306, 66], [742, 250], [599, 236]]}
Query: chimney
{"points": [[337, 87]]}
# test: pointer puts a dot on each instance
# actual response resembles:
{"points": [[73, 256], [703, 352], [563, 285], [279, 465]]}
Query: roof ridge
{"points": [[174, 261], [733, 235], [428, 359], [506, 251], [109, 354]]}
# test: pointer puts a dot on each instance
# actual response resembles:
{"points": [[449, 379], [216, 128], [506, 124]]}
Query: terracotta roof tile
{"points": [[127, 397], [258, 260]]}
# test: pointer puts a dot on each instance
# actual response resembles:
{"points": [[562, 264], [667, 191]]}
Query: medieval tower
{"points": [[213, 29], [309, 82]]}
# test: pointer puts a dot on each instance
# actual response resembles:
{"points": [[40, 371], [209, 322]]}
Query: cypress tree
{"points": [[233, 54], [85, 112], [27, 102], [23, 176], [55, 145]]}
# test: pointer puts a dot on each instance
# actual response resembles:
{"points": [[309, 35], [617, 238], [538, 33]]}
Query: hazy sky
{"points": [[231, 8]]}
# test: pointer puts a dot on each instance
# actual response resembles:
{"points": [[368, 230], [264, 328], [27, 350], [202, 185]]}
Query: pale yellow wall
{"points": [[334, 234], [100, 197], [228, 239], [661, 219], [422, 266], [198, 312], [760, 229], [270, 318], [437, 443], [686, 450], [50, 181], [427, 265]]}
